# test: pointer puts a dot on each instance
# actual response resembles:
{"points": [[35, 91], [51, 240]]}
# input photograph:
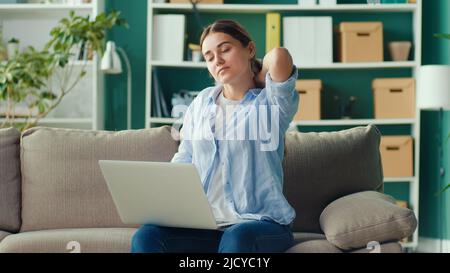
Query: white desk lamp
{"points": [[433, 93], [111, 64]]}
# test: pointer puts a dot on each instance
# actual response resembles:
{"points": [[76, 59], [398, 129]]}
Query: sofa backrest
{"points": [[9, 180], [62, 185], [322, 167]]}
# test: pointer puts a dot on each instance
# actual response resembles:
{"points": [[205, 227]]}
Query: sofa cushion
{"points": [[300, 237], [393, 247], [322, 167], [100, 240], [353, 221], [323, 246], [9, 180], [62, 183], [3, 235], [319, 244], [314, 246]]}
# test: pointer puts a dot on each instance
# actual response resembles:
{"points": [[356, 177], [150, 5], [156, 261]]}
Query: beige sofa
{"points": [[52, 192]]}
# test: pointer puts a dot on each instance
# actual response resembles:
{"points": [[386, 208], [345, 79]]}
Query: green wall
{"points": [[133, 41], [435, 51], [436, 19]]}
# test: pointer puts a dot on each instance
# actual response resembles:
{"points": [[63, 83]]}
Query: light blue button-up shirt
{"points": [[252, 149]]}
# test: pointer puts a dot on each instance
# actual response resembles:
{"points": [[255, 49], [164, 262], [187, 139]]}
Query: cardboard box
{"points": [[309, 39], [360, 42], [309, 105], [397, 156], [199, 1], [394, 98]]}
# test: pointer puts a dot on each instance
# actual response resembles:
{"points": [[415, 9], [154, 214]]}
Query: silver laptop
{"points": [[160, 193]]}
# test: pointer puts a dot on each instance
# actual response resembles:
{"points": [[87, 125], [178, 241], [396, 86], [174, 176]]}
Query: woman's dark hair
{"points": [[236, 31]]}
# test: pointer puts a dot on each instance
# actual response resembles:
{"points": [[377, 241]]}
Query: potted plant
{"points": [[12, 48], [28, 78]]}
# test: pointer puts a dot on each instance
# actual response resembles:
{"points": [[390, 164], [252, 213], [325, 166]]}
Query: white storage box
{"points": [[328, 2], [309, 39], [168, 37], [307, 2]]}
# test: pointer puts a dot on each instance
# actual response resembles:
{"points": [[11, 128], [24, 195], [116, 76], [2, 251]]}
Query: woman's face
{"points": [[227, 59]]}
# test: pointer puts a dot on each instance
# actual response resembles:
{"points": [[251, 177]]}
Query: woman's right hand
{"points": [[260, 78], [278, 62]]}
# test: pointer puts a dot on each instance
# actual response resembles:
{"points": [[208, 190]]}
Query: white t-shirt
{"points": [[222, 208]]}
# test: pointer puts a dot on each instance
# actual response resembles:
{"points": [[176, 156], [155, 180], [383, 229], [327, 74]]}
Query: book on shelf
{"points": [[81, 52], [159, 105]]}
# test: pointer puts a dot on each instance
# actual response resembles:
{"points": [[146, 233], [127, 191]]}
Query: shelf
{"points": [[81, 63], [252, 8], [73, 63], [163, 120], [408, 244], [184, 64], [399, 179], [43, 7], [337, 122], [379, 65], [57, 120], [43, 10], [352, 122]]}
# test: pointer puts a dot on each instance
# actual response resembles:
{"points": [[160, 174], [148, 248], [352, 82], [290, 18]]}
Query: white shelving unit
{"points": [[44, 8], [414, 9], [83, 107], [252, 8], [380, 65]]}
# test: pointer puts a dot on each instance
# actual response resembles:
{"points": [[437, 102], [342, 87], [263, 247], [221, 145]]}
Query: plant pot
{"points": [[12, 49], [400, 50]]}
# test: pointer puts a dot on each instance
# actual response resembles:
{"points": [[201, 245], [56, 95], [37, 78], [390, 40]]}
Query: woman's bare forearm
{"points": [[278, 62]]}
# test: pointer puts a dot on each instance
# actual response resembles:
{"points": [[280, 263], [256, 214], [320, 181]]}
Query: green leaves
{"points": [[48, 95], [442, 36], [445, 188], [26, 77], [13, 41], [82, 31], [28, 69]]}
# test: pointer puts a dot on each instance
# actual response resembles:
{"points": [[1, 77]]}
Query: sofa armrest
{"points": [[3, 235], [354, 220]]}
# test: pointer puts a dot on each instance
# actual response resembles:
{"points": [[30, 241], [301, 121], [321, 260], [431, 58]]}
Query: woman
{"points": [[226, 135]]}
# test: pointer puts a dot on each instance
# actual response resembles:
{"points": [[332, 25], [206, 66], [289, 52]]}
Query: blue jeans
{"points": [[254, 236]]}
